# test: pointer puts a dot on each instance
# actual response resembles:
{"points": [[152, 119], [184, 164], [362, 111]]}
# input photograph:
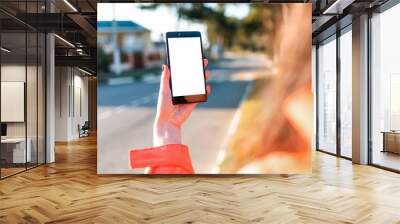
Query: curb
{"points": [[150, 79]]}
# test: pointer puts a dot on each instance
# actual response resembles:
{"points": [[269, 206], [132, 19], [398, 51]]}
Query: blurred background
{"points": [[132, 43], [245, 46]]}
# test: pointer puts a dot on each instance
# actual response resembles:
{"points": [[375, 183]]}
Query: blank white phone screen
{"points": [[185, 60]]}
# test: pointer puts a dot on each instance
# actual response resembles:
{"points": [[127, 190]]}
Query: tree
{"points": [[255, 32]]}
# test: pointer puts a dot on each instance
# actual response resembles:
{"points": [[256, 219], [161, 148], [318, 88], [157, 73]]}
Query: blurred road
{"points": [[126, 114]]}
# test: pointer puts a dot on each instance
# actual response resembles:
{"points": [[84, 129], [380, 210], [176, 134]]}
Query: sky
{"points": [[163, 19]]}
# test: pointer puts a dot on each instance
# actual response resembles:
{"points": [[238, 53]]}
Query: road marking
{"points": [[232, 129]]}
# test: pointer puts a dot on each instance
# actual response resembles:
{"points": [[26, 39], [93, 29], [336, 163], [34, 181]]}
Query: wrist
{"points": [[166, 133]]}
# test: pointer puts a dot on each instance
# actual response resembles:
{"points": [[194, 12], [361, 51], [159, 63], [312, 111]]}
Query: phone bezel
{"points": [[189, 98]]}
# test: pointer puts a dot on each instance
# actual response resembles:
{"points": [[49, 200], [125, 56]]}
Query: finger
{"points": [[208, 88], [207, 75], [205, 62], [165, 73], [165, 78]]}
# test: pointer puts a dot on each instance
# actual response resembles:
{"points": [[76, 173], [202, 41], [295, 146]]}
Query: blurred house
{"points": [[129, 45]]}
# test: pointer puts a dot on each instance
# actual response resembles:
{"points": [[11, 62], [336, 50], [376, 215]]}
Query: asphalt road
{"points": [[126, 113]]}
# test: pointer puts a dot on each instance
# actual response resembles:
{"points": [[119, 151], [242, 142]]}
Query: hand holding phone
{"points": [[170, 117]]}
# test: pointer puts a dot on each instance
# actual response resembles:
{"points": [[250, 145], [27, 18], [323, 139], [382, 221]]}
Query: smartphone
{"points": [[186, 66]]}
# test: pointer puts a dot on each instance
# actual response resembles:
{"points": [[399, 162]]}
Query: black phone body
{"points": [[186, 66]]}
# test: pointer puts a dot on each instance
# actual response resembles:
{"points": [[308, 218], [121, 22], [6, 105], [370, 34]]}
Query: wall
{"points": [[62, 81], [33, 127], [71, 102], [14, 73], [360, 89], [17, 73], [79, 109]]}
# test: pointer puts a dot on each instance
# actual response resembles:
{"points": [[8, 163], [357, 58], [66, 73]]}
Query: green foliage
{"points": [[258, 28], [254, 32]]}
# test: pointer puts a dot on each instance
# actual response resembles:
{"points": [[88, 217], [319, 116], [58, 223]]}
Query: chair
{"points": [[84, 130]]}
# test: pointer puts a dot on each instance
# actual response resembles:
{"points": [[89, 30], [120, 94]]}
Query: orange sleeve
{"points": [[166, 159]]}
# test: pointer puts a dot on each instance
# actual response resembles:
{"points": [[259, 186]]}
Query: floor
{"points": [[10, 171], [70, 191], [5, 172], [388, 159]]}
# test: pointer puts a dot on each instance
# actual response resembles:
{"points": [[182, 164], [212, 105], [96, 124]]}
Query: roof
{"points": [[122, 26]]}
